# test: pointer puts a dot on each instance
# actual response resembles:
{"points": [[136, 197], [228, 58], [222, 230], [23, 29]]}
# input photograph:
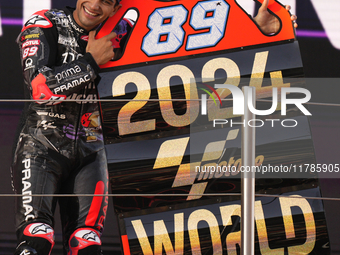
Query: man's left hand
{"points": [[267, 22]]}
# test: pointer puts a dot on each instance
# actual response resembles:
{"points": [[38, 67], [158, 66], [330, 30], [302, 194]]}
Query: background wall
{"points": [[319, 37]]}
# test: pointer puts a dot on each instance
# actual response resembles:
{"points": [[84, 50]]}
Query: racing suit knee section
{"points": [[85, 241], [36, 238]]}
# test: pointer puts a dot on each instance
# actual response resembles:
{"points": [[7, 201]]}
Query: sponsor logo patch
{"points": [[38, 19], [40, 230], [30, 43], [30, 36], [28, 64]]}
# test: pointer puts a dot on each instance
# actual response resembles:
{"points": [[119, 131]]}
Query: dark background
{"points": [[320, 59]]}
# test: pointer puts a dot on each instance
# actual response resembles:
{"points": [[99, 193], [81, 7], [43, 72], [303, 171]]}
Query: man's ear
{"points": [[115, 9]]}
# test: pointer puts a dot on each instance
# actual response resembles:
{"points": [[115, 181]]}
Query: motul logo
{"points": [[31, 43]]}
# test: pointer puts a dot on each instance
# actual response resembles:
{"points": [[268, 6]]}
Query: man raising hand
{"points": [[59, 148], [267, 22]]}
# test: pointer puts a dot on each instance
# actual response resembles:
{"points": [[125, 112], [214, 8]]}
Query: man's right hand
{"points": [[101, 49]]}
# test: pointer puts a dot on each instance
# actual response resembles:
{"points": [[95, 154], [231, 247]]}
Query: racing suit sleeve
{"points": [[48, 76]]}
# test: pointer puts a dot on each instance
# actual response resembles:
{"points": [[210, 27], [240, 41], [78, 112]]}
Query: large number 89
{"points": [[166, 34]]}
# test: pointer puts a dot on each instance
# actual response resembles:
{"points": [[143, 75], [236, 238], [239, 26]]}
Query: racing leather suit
{"points": [[60, 147]]}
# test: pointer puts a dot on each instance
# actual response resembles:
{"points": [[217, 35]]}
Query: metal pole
{"points": [[248, 178]]}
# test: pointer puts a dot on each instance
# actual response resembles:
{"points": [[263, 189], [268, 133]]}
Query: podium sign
{"points": [[156, 134]]}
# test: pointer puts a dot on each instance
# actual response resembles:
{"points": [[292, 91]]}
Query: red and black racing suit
{"points": [[60, 147]]}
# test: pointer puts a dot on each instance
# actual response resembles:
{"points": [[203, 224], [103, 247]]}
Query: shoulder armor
{"points": [[38, 19]]}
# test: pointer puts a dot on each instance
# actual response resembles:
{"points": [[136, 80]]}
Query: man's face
{"points": [[90, 13]]}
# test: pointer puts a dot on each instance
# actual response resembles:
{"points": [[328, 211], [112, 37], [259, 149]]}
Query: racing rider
{"points": [[60, 144]]}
